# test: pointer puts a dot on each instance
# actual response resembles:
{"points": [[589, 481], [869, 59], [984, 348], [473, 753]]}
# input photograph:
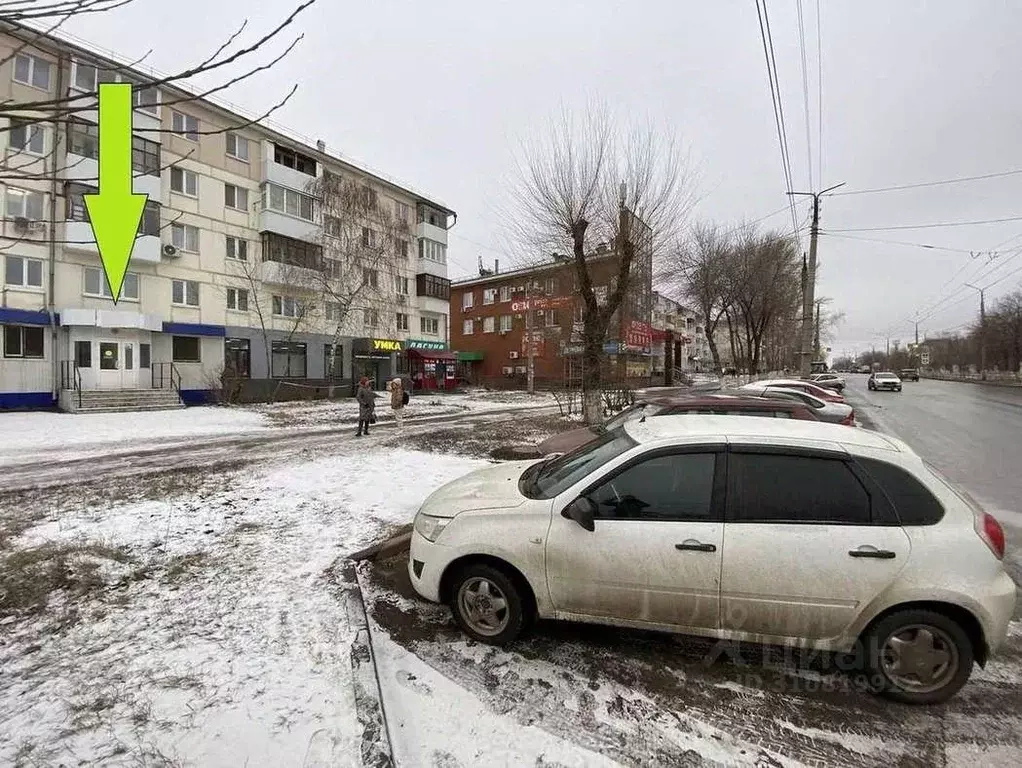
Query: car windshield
{"points": [[549, 478], [629, 414], [886, 376]]}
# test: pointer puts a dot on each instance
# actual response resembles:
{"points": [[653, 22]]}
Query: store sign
{"points": [[639, 334], [612, 347], [542, 302], [538, 343], [387, 345], [436, 346]]}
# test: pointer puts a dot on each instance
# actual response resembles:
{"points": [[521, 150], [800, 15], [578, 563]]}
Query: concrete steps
{"points": [[119, 400]]}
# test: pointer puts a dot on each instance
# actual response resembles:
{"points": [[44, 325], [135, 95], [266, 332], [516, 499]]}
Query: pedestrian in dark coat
{"points": [[366, 406]]}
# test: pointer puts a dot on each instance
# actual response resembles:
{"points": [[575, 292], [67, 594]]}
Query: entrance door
{"points": [[109, 374]]}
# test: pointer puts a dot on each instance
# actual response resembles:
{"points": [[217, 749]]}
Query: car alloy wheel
{"points": [[488, 604], [483, 606]]}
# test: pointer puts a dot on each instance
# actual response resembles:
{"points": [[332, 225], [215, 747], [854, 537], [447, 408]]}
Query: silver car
{"points": [[833, 413], [884, 380]]}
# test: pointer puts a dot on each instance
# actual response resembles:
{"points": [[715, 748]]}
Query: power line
{"points": [[896, 242], [805, 90], [958, 180], [929, 226]]}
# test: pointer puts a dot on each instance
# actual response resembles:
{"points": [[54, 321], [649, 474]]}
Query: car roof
{"points": [[788, 390], [761, 430], [737, 399], [779, 382], [886, 373]]}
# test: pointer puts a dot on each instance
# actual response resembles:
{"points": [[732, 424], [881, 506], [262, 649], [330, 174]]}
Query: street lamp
{"points": [[982, 330]]}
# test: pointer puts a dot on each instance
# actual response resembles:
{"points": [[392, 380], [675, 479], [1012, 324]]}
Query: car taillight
{"points": [[849, 420], [991, 532]]}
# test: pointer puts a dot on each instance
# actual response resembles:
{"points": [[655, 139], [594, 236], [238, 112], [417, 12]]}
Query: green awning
{"points": [[467, 357]]}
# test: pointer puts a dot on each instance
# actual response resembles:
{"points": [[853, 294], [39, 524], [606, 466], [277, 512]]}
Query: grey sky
{"points": [[436, 95]]}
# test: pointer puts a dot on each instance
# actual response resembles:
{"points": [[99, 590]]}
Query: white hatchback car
{"points": [[771, 531]]}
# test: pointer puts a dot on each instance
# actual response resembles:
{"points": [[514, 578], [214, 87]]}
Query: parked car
{"points": [[910, 374], [774, 531], [884, 380], [805, 386], [720, 404], [832, 413], [828, 381]]}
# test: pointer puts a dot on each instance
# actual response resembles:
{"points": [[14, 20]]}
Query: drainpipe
{"points": [[58, 135]]}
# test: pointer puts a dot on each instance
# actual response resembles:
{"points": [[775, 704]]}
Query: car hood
{"points": [[493, 487], [563, 442]]}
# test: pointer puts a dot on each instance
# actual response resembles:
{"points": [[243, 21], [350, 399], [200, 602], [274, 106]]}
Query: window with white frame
{"points": [[26, 136], [146, 99], [402, 321], [505, 293], [370, 318], [237, 147], [287, 306], [551, 286], [402, 213], [401, 248], [334, 268], [430, 326], [185, 237], [32, 70], [184, 182], [507, 370], [288, 201], [432, 251], [184, 125], [184, 293], [235, 197], [237, 299], [237, 248], [371, 278], [489, 324], [467, 299], [401, 285], [368, 237], [21, 272], [489, 295], [95, 284], [467, 327], [25, 203], [333, 311], [505, 322]]}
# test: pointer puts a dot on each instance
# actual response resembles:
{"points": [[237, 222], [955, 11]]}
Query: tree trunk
{"points": [[592, 379]]}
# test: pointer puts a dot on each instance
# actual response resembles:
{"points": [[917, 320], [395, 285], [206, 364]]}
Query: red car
{"points": [[706, 403], [829, 395]]}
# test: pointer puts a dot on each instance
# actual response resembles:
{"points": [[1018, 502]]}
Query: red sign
{"points": [[639, 334], [538, 344], [659, 334], [542, 302]]}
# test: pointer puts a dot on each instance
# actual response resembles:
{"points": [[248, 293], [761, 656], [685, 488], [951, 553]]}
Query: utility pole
{"points": [[816, 336], [982, 330], [808, 296], [531, 365]]}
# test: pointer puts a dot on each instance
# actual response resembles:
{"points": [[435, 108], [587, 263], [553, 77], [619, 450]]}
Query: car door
{"points": [[806, 546], [654, 556]]}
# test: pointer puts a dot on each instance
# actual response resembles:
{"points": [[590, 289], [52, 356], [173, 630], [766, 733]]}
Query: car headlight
{"points": [[430, 527]]}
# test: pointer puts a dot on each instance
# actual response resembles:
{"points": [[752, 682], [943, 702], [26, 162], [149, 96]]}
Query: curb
{"points": [[398, 541]]}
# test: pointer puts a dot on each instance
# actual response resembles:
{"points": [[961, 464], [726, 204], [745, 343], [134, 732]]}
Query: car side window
{"points": [[912, 500], [669, 487], [778, 488]]}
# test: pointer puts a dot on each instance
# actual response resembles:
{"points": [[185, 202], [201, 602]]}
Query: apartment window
{"points": [[186, 349], [401, 212], [237, 147], [402, 322], [334, 311], [185, 237], [185, 292], [371, 278], [145, 156], [467, 327], [332, 225], [31, 70], [467, 299], [433, 286], [145, 98], [401, 248], [291, 159], [85, 76], [505, 293], [505, 322], [551, 286], [238, 357], [508, 370], [289, 359], [21, 272], [601, 294], [184, 182], [286, 306], [185, 125], [368, 197], [401, 285], [284, 200], [370, 318], [237, 299], [150, 223], [237, 248], [368, 237], [333, 364], [96, 284], [235, 197], [334, 268], [489, 295], [83, 139], [144, 355], [23, 341], [432, 251], [295, 253], [75, 194], [24, 203], [429, 325], [26, 136], [83, 354], [489, 324]]}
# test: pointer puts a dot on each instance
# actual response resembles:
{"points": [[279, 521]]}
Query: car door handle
{"points": [[880, 554], [694, 546]]}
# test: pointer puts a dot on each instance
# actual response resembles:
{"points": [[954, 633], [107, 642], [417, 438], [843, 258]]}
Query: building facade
{"points": [[674, 323], [238, 264]]}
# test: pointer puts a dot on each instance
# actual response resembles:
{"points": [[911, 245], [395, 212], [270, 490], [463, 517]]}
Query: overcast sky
{"points": [[437, 94]]}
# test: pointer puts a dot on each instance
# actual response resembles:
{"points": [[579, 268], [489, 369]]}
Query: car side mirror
{"points": [[582, 511]]}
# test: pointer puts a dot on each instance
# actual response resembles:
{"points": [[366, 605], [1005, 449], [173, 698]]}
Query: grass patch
{"points": [[180, 565]]}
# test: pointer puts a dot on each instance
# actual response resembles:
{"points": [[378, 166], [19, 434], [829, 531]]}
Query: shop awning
{"points": [[468, 357], [432, 354]]}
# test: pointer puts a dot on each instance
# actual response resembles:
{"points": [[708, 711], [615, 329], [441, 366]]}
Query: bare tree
{"points": [[586, 180]]}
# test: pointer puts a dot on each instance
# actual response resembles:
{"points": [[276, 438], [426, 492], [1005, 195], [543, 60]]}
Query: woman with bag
{"points": [[366, 406], [398, 400]]}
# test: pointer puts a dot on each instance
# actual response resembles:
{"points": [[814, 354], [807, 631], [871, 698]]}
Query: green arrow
{"points": [[115, 212]]}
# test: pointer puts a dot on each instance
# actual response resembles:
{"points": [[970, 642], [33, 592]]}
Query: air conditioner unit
{"points": [[520, 289], [21, 224], [402, 299], [503, 333], [512, 355], [170, 251]]}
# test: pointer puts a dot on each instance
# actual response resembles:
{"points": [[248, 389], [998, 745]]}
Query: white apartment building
{"points": [[691, 348], [229, 255]]}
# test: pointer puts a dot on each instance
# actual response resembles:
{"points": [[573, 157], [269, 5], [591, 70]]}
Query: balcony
{"points": [[287, 173], [291, 262], [277, 273], [431, 232], [289, 226], [78, 237]]}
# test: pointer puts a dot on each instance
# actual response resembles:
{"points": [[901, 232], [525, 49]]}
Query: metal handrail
{"points": [[164, 375], [71, 378]]}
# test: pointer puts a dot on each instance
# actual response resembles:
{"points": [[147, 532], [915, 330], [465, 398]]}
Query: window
{"points": [[291, 159], [23, 341], [150, 222], [83, 354], [25, 203], [237, 357], [370, 318], [467, 299], [505, 293], [401, 248], [508, 370], [31, 70], [333, 364], [185, 237], [368, 195], [332, 225], [185, 125], [489, 324], [774, 488], [401, 212], [185, 292], [432, 250], [288, 359], [333, 311], [144, 355], [505, 322], [913, 502], [146, 99], [129, 357], [334, 268], [401, 285], [108, 355], [26, 136], [371, 278], [96, 284], [237, 298], [429, 325], [186, 349], [76, 210], [489, 295], [551, 286], [288, 201], [545, 480], [673, 487], [467, 327], [184, 182], [22, 272], [237, 248], [296, 253], [368, 237], [82, 139], [601, 294], [235, 197], [402, 322], [145, 156], [237, 147], [85, 76], [435, 287], [286, 306]]}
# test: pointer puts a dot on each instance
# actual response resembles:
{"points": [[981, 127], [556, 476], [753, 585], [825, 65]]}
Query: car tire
{"points": [[933, 639], [501, 611]]}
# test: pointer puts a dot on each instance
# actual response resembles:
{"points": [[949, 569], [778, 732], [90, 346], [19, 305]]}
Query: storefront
{"points": [[469, 366], [374, 359], [431, 365]]}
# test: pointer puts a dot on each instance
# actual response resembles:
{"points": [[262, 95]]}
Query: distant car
{"points": [[805, 386], [863, 369], [832, 413], [828, 381], [885, 380], [909, 374], [716, 404]]}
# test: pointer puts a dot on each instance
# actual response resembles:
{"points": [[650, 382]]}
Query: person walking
{"points": [[398, 400], [366, 406]]}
